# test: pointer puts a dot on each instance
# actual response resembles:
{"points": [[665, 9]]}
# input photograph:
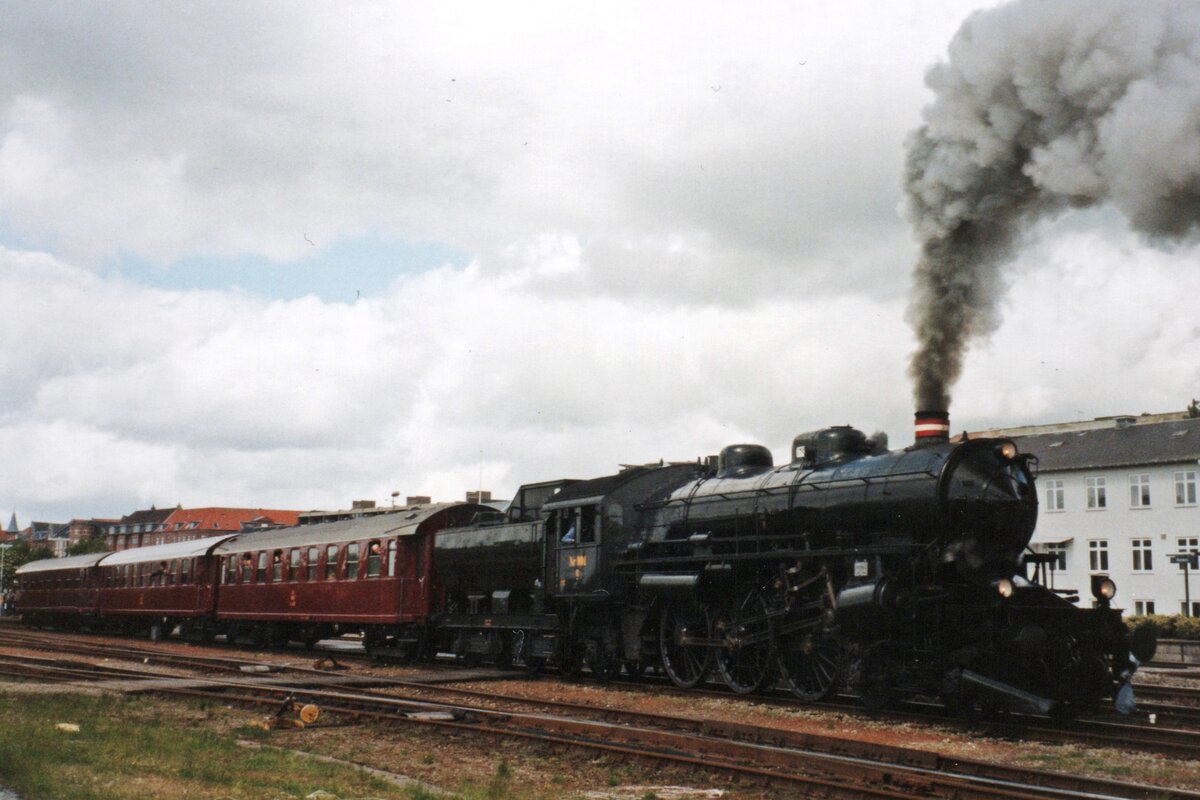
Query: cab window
{"points": [[294, 564], [314, 556], [374, 557], [352, 561], [277, 566]]}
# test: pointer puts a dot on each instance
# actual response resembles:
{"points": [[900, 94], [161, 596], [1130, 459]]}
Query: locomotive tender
{"points": [[892, 573]]}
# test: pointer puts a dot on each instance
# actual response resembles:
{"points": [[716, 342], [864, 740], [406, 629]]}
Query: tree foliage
{"points": [[20, 553], [88, 544]]}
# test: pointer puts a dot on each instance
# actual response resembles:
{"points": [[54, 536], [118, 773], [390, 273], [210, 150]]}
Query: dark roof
{"points": [[1173, 442], [148, 515], [596, 487]]}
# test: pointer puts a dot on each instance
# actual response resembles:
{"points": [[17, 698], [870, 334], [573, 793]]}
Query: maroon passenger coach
{"points": [[59, 591], [153, 589], [368, 575]]}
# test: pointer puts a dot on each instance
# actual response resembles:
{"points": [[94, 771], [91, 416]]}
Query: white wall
{"points": [[1163, 522]]}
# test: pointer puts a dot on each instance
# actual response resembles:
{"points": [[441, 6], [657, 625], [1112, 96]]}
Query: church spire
{"points": [[12, 524]]}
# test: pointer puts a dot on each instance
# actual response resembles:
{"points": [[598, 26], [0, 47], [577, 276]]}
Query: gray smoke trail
{"points": [[1044, 105]]}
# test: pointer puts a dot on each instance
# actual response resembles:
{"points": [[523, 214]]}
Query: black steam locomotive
{"points": [[891, 573]]}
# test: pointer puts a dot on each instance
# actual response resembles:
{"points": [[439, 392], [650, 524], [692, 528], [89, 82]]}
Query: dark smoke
{"points": [[1044, 105]]}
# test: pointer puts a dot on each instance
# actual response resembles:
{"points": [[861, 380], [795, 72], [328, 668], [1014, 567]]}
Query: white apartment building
{"points": [[1118, 497]]}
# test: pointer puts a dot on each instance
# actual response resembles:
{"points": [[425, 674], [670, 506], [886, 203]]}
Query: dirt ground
{"points": [[482, 765]]}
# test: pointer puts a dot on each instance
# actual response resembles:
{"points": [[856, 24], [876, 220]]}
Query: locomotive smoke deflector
{"points": [[931, 427]]}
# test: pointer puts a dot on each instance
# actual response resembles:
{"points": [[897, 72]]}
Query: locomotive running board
{"points": [[1028, 700]]}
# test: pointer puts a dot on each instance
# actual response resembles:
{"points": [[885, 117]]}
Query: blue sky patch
{"points": [[340, 273]]}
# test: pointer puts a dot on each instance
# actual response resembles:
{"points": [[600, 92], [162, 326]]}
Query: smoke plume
{"points": [[1044, 105]]}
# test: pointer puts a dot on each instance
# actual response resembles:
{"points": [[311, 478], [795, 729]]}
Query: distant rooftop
{"points": [[1107, 442]]}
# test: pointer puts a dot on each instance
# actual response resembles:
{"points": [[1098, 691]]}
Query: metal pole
{"points": [[1187, 595], [3, 604]]}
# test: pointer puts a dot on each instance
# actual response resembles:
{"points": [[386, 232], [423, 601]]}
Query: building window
{"points": [[1054, 495], [1096, 497], [1139, 490], [1098, 555], [1143, 607], [1187, 544], [1058, 549], [1185, 488], [1195, 609], [1143, 555]]}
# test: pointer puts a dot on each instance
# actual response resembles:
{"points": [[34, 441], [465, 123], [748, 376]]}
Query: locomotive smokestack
{"points": [[931, 427]]}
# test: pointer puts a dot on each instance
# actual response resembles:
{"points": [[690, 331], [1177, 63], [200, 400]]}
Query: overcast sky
{"points": [[282, 255]]}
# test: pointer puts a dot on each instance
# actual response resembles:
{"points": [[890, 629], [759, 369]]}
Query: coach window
{"points": [[391, 562], [294, 564], [261, 577], [331, 559], [247, 568], [352, 561], [314, 554], [374, 556], [277, 566]]}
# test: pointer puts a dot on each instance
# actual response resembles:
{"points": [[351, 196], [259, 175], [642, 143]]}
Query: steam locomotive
{"points": [[891, 573]]}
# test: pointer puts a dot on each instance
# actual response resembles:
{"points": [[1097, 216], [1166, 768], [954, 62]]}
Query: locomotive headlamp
{"points": [[1007, 451], [1005, 588], [1103, 588]]}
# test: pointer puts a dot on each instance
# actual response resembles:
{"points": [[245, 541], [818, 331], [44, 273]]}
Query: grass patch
{"points": [[127, 749]]}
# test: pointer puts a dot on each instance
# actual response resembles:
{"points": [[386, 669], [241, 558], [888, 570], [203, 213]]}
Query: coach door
{"points": [[578, 536]]}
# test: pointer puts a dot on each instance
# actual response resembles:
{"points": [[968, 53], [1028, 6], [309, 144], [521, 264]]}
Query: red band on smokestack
{"points": [[932, 426]]}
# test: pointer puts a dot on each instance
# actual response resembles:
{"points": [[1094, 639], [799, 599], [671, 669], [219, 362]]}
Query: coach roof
{"points": [[163, 552], [404, 522], [53, 564]]}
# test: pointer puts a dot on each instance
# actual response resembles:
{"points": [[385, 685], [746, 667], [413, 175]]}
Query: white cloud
{"points": [[681, 219]]}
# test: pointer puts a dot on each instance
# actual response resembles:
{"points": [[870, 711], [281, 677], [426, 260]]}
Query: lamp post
{"points": [[1189, 562], [3, 551]]}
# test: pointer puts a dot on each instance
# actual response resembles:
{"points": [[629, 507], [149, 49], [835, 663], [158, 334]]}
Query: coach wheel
{"points": [[746, 660], [811, 664], [275, 635], [685, 662]]}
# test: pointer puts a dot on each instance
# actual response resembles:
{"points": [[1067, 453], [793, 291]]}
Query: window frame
{"points": [[1097, 494], [1139, 490], [1142, 552], [1055, 495], [1098, 555], [1185, 487]]}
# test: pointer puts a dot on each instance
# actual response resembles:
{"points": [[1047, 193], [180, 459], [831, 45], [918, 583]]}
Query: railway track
{"points": [[831, 766]]}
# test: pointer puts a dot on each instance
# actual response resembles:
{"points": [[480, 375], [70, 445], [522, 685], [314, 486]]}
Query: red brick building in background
{"points": [[163, 526]]}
